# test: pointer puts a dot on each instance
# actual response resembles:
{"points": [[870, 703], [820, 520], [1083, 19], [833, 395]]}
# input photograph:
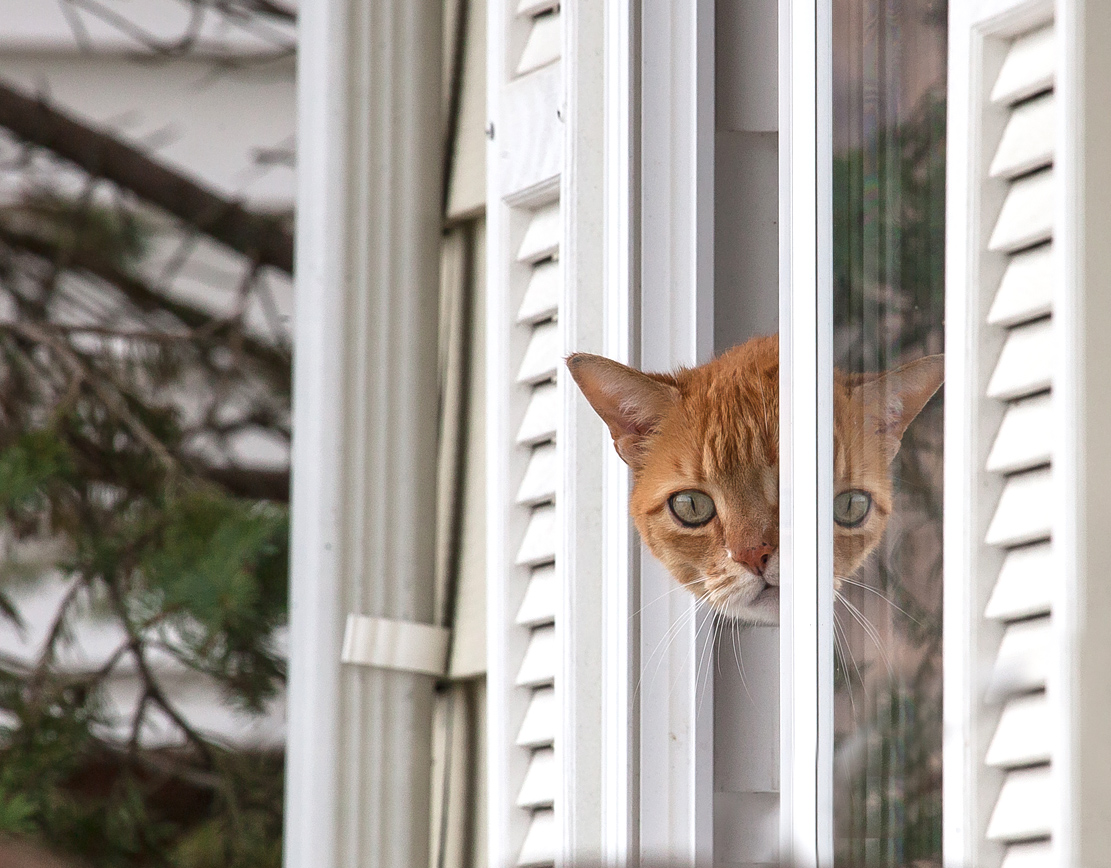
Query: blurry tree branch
{"points": [[264, 239]]}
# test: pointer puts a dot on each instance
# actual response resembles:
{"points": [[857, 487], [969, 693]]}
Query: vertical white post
{"points": [[806, 434], [1082, 538], [676, 309], [365, 399]]}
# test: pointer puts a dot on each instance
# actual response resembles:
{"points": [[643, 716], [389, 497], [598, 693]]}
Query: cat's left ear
{"points": [[891, 401]]}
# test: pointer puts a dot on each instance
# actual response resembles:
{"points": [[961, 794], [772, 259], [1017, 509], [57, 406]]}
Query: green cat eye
{"points": [[850, 508], [692, 508]]}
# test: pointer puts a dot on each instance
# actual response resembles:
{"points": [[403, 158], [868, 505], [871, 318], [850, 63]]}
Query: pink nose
{"points": [[756, 559]]}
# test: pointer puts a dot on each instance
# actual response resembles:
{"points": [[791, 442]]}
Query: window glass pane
{"points": [[888, 242]]}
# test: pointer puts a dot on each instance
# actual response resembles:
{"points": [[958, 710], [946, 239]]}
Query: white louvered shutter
{"points": [[1010, 289], [525, 345]]}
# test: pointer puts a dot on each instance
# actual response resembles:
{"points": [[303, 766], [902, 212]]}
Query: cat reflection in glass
{"points": [[703, 446]]}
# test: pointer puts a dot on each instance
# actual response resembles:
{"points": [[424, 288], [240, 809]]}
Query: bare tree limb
{"points": [[266, 240]]}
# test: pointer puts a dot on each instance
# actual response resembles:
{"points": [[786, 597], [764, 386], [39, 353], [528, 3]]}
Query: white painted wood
{"points": [[1027, 214], [541, 299], [532, 7], [541, 238], [1025, 437], [542, 355], [539, 664], [539, 603], [526, 155], [541, 416], [1025, 510], [1026, 291], [538, 546], [1033, 854], [544, 44], [1025, 364], [541, 476], [1023, 810], [1023, 736], [1027, 581], [1028, 139], [365, 385], [539, 726], [1023, 659], [1029, 67], [541, 844], [539, 787]]}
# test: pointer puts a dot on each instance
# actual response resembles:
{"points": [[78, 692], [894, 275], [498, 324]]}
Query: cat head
{"points": [[703, 447]]}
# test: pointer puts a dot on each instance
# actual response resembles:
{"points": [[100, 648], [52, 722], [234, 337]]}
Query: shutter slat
{"points": [[544, 44], [1022, 660], [532, 7], [1035, 854], [1026, 290], [541, 236], [1025, 363], [1025, 437], [539, 482], [1029, 67], [1028, 139], [539, 848], [1026, 217], [1023, 514], [539, 787], [538, 545], [539, 603], [542, 355], [539, 726], [1022, 810], [541, 299], [1025, 584], [539, 664], [541, 416], [1022, 737]]}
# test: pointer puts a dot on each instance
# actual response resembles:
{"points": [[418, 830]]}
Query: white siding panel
{"points": [[1027, 142], [539, 726], [1025, 584], [539, 603], [544, 44], [539, 482], [1034, 854], [541, 416], [1023, 735], [1025, 437], [1026, 291], [539, 543], [1027, 214], [541, 299], [1024, 808], [539, 664], [1029, 67], [1025, 364], [1023, 658], [539, 787], [541, 842], [542, 356], [1024, 511], [542, 235]]}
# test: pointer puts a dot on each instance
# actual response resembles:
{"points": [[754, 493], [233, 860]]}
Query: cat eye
{"points": [[850, 508], [692, 508]]}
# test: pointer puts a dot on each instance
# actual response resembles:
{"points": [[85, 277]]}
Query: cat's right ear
{"points": [[632, 404]]}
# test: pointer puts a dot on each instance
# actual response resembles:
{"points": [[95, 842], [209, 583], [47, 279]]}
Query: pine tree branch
{"points": [[263, 239]]}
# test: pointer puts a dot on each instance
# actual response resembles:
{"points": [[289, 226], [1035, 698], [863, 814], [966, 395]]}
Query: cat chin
{"points": [[761, 610]]}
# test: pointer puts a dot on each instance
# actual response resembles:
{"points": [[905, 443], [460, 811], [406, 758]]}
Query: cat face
{"points": [[703, 446]]}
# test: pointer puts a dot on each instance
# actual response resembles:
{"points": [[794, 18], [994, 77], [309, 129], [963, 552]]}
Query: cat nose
{"points": [[756, 559]]}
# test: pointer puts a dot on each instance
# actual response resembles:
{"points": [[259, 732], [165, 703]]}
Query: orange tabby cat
{"points": [[703, 445]]}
